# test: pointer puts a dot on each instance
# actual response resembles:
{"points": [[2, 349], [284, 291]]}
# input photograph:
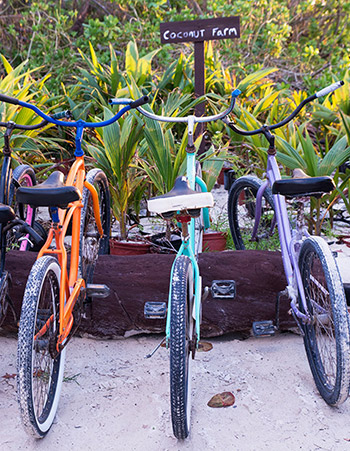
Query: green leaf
{"points": [[253, 78], [310, 155], [131, 58], [335, 157]]}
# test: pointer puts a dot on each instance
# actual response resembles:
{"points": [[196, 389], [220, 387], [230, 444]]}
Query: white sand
{"points": [[120, 401]]}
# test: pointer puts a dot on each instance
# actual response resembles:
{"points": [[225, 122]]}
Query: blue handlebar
{"points": [[80, 123]]}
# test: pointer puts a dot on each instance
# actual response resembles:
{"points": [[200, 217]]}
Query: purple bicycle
{"points": [[314, 285]]}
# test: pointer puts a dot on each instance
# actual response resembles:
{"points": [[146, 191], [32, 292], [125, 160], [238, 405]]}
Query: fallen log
{"points": [[133, 280]]}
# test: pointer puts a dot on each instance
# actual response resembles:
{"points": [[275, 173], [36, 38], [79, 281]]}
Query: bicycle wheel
{"points": [[327, 339], [91, 245], [181, 332], [39, 368], [23, 175], [241, 214]]}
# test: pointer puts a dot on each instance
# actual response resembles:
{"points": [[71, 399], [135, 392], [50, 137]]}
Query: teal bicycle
{"points": [[188, 203]]}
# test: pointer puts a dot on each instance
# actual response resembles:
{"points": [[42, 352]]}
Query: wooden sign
{"points": [[200, 30]]}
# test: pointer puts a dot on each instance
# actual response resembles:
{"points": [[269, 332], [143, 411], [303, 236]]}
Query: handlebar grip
{"points": [[67, 114], [9, 99], [329, 89], [236, 93], [139, 102]]}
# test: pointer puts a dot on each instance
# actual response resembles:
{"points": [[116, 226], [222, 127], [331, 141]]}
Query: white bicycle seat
{"points": [[181, 197]]}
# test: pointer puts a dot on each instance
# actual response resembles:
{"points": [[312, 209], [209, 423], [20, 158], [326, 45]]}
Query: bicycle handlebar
{"points": [[329, 89], [55, 119], [187, 119], [15, 126], [8, 99], [266, 128]]}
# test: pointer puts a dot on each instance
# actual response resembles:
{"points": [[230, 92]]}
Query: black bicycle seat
{"points": [[6, 213], [303, 185], [51, 193]]}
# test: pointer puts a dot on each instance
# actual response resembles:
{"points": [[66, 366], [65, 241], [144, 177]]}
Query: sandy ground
{"points": [[115, 399]]}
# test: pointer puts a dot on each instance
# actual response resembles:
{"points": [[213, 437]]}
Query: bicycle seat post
{"points": [[300, 221]]}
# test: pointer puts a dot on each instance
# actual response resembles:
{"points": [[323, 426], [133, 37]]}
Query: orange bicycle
{"points": [[56, 289]]}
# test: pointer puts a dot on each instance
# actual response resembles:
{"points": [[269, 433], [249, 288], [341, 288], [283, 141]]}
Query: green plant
{"points": [[162, 157], [29, 146], [115, 155]]}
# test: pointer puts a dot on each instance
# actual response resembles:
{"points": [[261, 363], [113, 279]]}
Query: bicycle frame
{"points": [[289, 239], [5, 187], [4, 198], [70, 283], [187, 248]]}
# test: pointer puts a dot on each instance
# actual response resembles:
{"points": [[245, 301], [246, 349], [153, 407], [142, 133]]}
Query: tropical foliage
{"points": [[306, 39], [21, 82], [141, 155]]}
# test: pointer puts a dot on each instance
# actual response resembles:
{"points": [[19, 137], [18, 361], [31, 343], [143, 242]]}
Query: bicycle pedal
{"points": [[97, 290], [263, 328], [155, 310], [223, 289]]}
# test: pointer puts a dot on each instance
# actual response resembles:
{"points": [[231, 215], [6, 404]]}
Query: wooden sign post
{"points": [[198, 31]]}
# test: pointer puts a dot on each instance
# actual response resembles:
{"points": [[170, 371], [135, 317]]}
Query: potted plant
{"points": [[116, 155], [215, 238]]}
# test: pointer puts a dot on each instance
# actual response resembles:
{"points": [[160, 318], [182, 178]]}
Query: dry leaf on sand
{"points": [[224, 399]]}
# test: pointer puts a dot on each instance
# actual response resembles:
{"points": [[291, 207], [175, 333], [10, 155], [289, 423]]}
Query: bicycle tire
{"points": [[23, 175], [5, 300], [181, 331], [39, 374], [91, 245], [327, 338], [241, 215]]}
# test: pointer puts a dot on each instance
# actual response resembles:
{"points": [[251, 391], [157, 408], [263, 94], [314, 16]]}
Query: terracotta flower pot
{"points": [[214, 241], [220, 179], [128, 247], [226, 177]]}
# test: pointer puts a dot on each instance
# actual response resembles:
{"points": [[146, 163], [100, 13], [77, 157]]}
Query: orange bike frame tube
{"points": [[75, 177], [70, 286], [96, 206], [67, 323]]}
